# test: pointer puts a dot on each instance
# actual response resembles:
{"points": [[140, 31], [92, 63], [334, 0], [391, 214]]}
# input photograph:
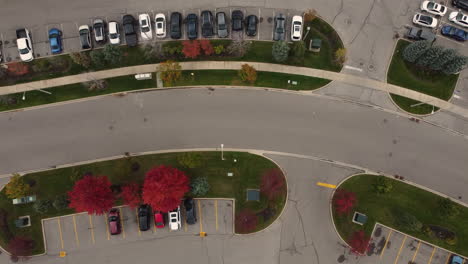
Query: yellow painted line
{"points": [[399, 251], [122, 222], [154, 227], [332, 186], [386, 241], [430, 259], [448, 258], [60, 231], [216, 214], [76, 232], [107, 226], [416, 252], [138, 222], [91, 228], [185, 220], [200, 213]]}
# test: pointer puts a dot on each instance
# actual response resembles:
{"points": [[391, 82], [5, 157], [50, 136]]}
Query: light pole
{"points": [[222, 149]]}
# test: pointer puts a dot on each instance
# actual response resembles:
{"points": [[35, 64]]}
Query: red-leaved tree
{"points": [[344, 201], [20, 247], [164, 187], [92, 194], [131, 194], [246, 221], [359, 242], [191, 48], [206, 47], [272, 183]]}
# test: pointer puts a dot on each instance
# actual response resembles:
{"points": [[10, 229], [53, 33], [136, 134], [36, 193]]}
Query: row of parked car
{"points": [[210, 26], [144, 218]]}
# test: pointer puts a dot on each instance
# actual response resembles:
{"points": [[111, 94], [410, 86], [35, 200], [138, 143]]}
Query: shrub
{"points": [[416, 49], [298, 51], [153, 51], [61, 202], [218, 49], [200, 186], [280, 51], [246, 221], [4, 227], [190, 160], [451, 240], [431, 55], [456, 65], [382, 185], [359, 242], [81, 58], [20, 246], [16, 188], [310, 15], [446, 56], [448, 208], [98, 58], [112, 54], [340, 56], [248, 74], [42, 206], [170, 71], [272, 183], [408, 221], [191, 48], [206, 47], [96, 85], [344, 201], [41, 65], [172, 48], [238, 47]]}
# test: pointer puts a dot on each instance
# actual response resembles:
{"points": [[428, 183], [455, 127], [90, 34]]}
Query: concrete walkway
{"points": [[235, 65]]}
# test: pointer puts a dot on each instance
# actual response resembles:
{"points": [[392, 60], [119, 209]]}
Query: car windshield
{"points": [[24, 51], [113, 218], [159, 25], [55, 47], [297, 23], [459, 16], [114, 36], [222, 26], [431, 5], [145, 29], [426, 19]]}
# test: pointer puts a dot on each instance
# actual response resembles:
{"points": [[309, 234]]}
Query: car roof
{"points": [[113, 26]]}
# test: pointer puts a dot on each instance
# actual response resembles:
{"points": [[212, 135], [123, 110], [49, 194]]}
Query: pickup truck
{"points": [[415, 33], [24, 43]]}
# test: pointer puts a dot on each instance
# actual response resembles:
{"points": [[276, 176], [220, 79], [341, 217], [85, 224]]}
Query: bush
{"points": [[4, 227], [190, 160], [41, 65], [238, 47], [61, 202], [456, 65], [191, 48], [218, 49], [112, 54], [446, 56], [272, 184], [448, 208], [416, 49], [280, 51], [16, 188], [153, 51], [246, 221], [172, 48], [248, 74], [382, 185], [359, 242], [42, 206], [170, 71], [298, 51], [310, 15], [451, 240], [340, 56], [81, 58], [344, 201], [200, 186], [98, 58], [96, 85], [20, 246], [408, 221], [206, 47]]}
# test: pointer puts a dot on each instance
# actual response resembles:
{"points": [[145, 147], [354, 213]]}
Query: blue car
{"points": [[455, 33], [55, 39], [456, 260]]}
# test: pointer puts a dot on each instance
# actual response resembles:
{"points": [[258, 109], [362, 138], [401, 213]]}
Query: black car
{"points": [[128, 23], [192, 26], [251, 25], [176, 25], [463, 4], [237, 20], [191, 216], [280, 27], [144, 215], [415, 33], [85, 37], [207, 24]]}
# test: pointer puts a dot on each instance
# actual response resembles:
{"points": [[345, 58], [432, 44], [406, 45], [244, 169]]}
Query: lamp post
{"points": [[222, 149]]}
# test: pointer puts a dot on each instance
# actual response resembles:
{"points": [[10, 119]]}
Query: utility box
{"points": [[143, 76]]}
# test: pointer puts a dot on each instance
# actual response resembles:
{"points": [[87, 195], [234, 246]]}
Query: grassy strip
{"points": [[247, 170], [386, 208], [264, 79], [407, 75]]}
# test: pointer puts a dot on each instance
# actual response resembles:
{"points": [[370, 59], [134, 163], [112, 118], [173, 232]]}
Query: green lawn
{"points": [[406, 75], [386, 208], [247, 170], [264, 79]]}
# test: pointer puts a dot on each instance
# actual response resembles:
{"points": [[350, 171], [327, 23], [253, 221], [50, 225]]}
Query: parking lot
{"points": [[392, 247], [81, 231], [71, 41]]}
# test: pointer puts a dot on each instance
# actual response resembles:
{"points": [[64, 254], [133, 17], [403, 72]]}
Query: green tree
{"points": [[382, 185], [298, 51], [280, 51], [97, 58], [42, 206], [112, 54], [17, 188], [413, 51], [190, 160], [431, 55], [340, 56], [441, 61], [81, 58], [408, 221], [60, 202], [200, 186], [456, 65], [448, 208]]}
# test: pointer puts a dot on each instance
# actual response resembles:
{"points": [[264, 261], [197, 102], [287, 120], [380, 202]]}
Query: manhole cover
{"points": [[371, 67], [341, 259]]}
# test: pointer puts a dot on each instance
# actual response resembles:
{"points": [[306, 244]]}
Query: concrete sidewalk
{"points": [[235, 65]]}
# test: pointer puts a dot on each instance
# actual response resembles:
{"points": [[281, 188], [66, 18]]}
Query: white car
{"points": [[145, 27], [459, 18], [433, 8], [296, 28], [174, 219], [160, 20], [24, 43], [424, 20], [114, 33]]}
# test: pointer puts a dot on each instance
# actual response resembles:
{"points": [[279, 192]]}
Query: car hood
{"points": [[174, 226]]}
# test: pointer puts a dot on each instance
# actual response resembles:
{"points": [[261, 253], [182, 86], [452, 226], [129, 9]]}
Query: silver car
{"points": [[221, 25]]}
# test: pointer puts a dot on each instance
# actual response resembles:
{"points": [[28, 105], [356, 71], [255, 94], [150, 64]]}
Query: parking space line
{"points": [[331, 186], [259, 16], [432, 255], [76, 233], [91, 228], [216, 214], [107, 226], [416, 252], [201, 218], [448, 258], [122, 222], [385, 245], [399, 251], [60, 231], [138, 222]]}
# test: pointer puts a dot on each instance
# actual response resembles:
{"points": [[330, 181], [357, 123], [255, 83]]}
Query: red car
{"points": [[158, 219], [114, 222]]}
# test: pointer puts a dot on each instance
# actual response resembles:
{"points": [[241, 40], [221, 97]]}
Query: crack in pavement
{"points": [[339, 11], [300, 220], [364, 22]]}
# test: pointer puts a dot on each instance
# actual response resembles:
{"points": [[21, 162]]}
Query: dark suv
{"points": [[176, 25], [237, 20], [128, 23], [144, 217], [207, 24], [463, 4], [192, 26], [251, 25], [191, 216]]}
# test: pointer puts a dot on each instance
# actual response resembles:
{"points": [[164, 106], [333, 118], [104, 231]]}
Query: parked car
{"points": [[146, 32], [192, 26], [174, 219], [206, 24], [144, 217], [251, 22], [459, 18], [455, 33], [463, 4], [221, 25], [128, 23], [160, 20], [456, 260], [85, 37], [237, 20], [24, 43], [279, 28], [433, 8], [99, 30], [158, 219], [415, 33], [114, 33], [55, 41], [296, 28], [176, 25], [191, 216], [424, 20], [114, 222]]}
